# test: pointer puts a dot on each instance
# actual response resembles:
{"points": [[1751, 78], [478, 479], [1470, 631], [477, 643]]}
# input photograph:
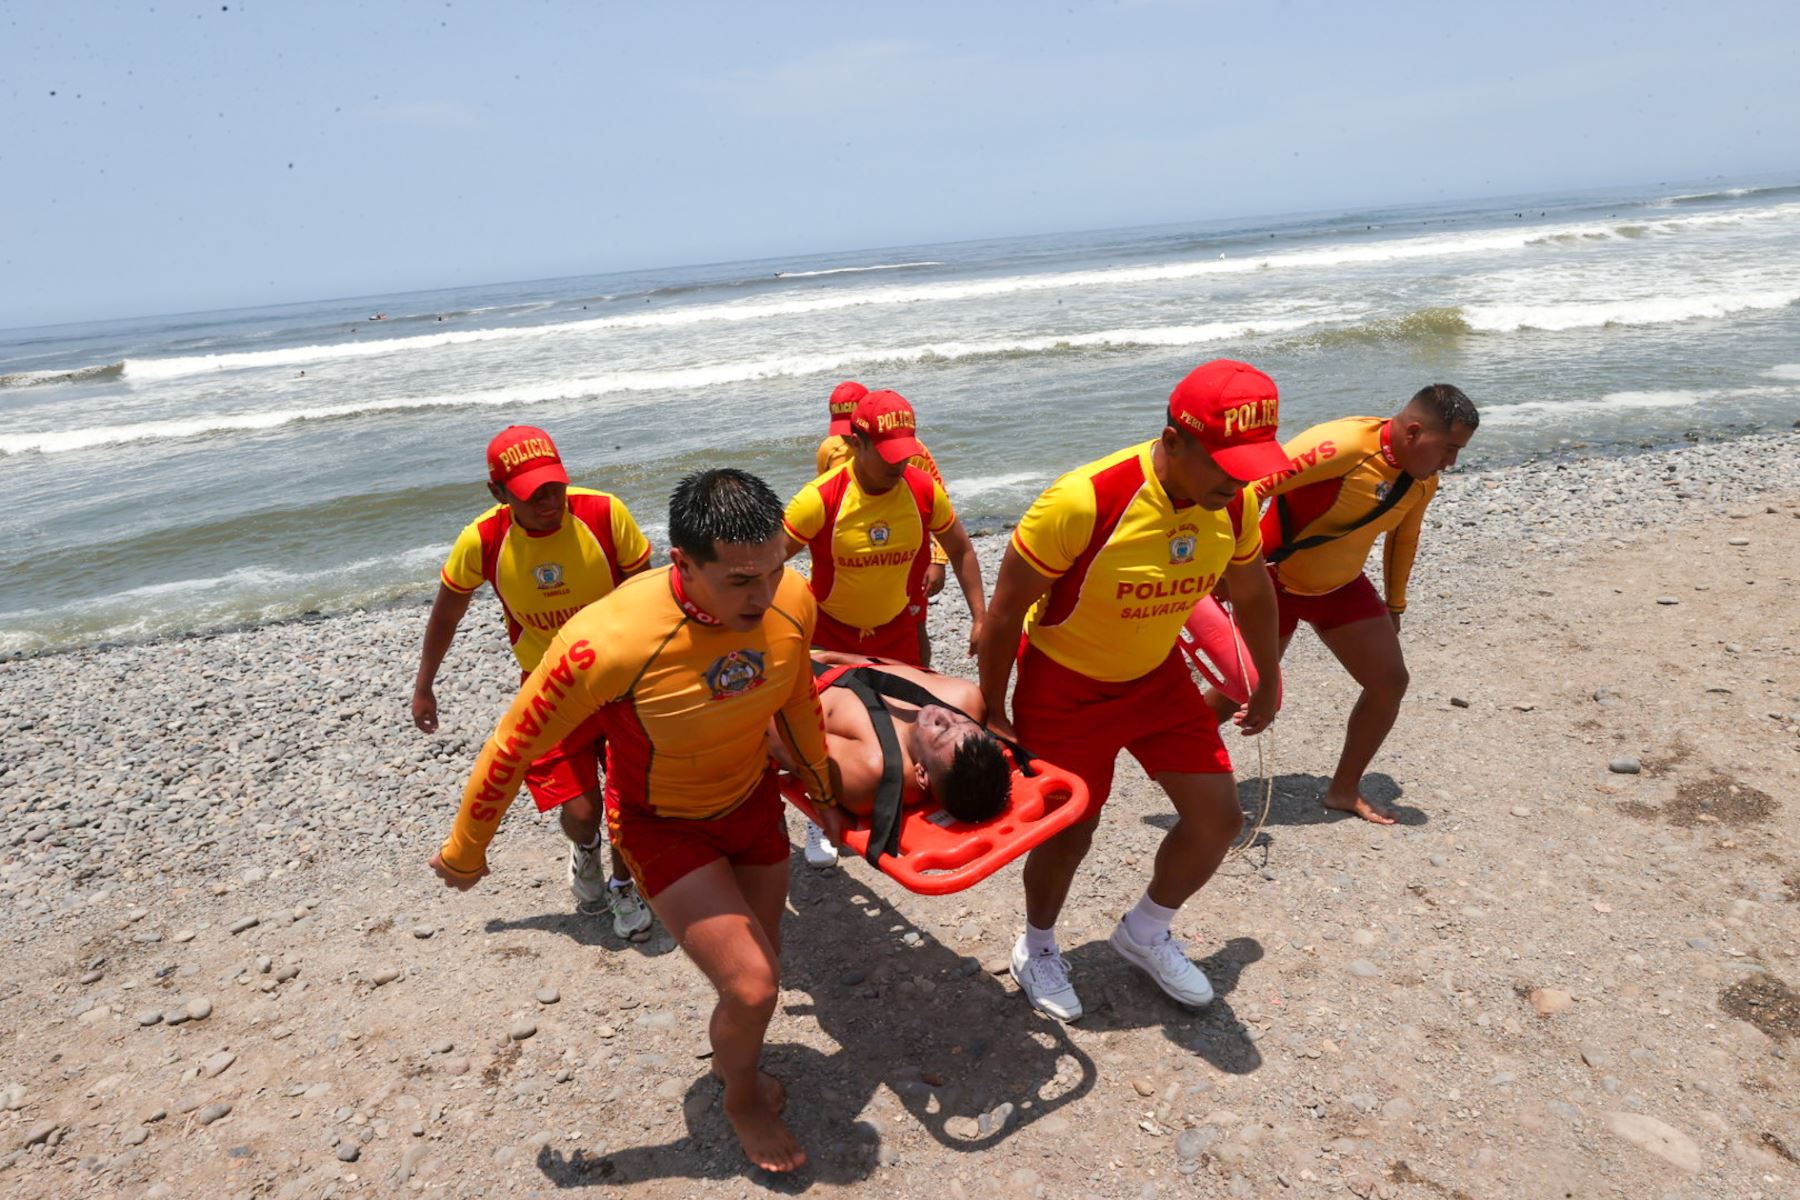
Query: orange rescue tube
{"points": [[1211, 642]]}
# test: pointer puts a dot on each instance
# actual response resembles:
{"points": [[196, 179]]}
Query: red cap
{"points": [[886, 419], [1233, 409], [844, 398], [524, 459]]}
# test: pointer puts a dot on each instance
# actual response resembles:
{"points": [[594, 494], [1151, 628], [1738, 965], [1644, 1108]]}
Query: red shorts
{"points": [[1355, 601], [661, 850], [571, 768], [1081, 724], [898, 639]]}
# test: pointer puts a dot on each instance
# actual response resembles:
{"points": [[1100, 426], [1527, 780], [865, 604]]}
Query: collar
{"points": [[688, 606], [1387, 440]]}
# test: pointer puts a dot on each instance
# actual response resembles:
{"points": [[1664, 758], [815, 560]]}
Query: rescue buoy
{"points": [[1211, 642]]}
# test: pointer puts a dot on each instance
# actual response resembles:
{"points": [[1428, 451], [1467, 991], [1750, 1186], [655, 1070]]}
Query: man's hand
{"points": [[1259, 714], [998, 725], [975, 634], [456, 879], [835, 822], [1396, 617], [424, 709]]}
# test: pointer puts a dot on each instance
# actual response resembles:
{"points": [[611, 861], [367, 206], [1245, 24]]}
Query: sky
{"points": [[168, 157]]}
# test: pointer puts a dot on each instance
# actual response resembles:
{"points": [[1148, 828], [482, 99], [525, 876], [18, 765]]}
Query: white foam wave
{"points": [[856, 270], [1784, 371], [1529, 410], [981, 485], [1509, 318], [678, 379]]}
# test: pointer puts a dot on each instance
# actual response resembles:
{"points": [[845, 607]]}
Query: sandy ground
{"points": [[1551, 980]]}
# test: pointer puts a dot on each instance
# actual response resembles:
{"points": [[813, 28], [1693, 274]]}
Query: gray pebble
{"points": [[91, 977], [211, 1113], [1192, 1143], [1457, 702], [349, 1152], [136, 1136], [442, 1046], [1624, 766], [148, 1016], [384, 976], [243, 923], [521, 1030], [423, 931], [1667, 600], [1362, 968], [548, 995], [199, 1008]]}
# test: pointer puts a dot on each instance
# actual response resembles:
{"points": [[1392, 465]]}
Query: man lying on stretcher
{"points": [[945, 754]]}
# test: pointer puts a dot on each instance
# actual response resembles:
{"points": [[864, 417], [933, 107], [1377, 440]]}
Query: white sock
{"points": [[1039, 942], [1148, 922], [593, 845], [619, 885]]}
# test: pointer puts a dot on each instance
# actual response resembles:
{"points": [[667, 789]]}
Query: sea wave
{"points": [[981, 485], [1595, 314], [1736, 193], [1424, 325], [21, 379], [1526, 411], [1784, 371], [677, 379], [901, 266]]}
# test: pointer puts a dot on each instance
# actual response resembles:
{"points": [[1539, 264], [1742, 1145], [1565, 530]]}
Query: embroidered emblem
{"points": [[736, 673], [548, 575]]}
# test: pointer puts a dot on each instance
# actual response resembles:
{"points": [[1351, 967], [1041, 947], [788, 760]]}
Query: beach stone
{"points": [[91, 977], [183, 935], [1737, 541], [243, 923], [12, 1097], [522, 1029], [1519, 810], [442, 1046], [136, 1136], [1668, 600], [37, 1133], [148, 1016], [176, 1016], [548, 995], [1657, 1137], [1143, 1087], [1458, 702], [1190, 1144], [1362, 968], [199, 1008], [211, 1113], [1625, 766], [218, 1064], [455, 1064], [1547, 1002], [349, 1152], [385, 976], [423, 931]]}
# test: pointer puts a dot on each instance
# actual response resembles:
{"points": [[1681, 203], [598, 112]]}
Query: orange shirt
{"points": [[837, 449], [1340, 471], [876, 543], [543, 579], [684, 702], [1128, 562]]}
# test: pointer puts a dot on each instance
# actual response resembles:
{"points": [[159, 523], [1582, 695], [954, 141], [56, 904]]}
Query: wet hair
{"points": [[721, 505], [1446, 404], [978, 781]]}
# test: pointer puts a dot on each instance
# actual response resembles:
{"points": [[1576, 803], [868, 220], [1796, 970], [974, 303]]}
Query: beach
{"points": [[1571, 969]]}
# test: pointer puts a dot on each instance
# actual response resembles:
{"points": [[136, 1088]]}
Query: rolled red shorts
{"points": [[571, 768], [1355, 601], [660, 850], [898, 639], [1081, 724]]}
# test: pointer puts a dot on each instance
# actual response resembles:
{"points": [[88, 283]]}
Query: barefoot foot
{"points": [[772, 1091], [1361, 807], [766, 1141]]}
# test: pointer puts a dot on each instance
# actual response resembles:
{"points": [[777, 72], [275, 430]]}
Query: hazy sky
{"points": [[171, 156]]}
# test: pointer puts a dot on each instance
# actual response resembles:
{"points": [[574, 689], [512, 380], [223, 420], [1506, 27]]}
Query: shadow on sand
{"points": [[968, 1059]]}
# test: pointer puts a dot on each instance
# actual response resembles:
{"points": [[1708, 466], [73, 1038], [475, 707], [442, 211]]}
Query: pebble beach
{"points": [[1570, 969]]}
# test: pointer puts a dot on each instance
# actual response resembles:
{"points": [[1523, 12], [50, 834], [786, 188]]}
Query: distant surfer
{"points": [[1347, 483]]}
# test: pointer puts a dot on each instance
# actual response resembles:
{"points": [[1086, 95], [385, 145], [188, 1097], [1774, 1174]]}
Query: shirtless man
{"points": [[946, 754], [684, 668]]}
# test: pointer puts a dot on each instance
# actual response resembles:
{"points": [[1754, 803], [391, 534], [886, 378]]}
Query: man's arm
{"points": [[1253, 606], [800, 726], [1019, 586], [440, 630], [961, 548], [552, 701], [1399, 549]]}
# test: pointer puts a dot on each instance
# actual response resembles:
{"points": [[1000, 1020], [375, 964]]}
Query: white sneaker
{"points": [[1166, 962], [1044, 978], [819, 850], [587, 878], [631, 916]]}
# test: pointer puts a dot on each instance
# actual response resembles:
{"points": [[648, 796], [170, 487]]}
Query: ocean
{"points": [[182, 473]]}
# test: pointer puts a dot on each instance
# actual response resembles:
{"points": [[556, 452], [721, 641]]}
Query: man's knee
{"points": [[753, 992], [1391, 680], [582, 810], [1218, 816]]}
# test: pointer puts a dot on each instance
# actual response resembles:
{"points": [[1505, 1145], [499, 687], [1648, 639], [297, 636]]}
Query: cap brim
{"points": [[898, 450], [839, 427], [1258, 460], [526, 482]]}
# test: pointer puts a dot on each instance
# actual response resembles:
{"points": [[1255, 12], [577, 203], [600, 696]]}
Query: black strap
{"points": [[1289, 547], [870, 685]]}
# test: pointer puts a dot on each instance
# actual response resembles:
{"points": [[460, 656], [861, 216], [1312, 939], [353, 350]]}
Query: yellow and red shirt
{"points": [[1339, 472], [838, 449], [868, 552], [684, 703], [1129, 562], [543, 579]]}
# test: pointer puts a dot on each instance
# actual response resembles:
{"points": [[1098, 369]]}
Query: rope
{"points": [[1264, 762]]}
